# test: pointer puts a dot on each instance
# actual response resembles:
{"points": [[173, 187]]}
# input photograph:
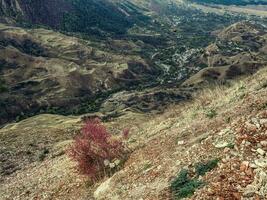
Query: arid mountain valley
{"points": [[133, 100]]}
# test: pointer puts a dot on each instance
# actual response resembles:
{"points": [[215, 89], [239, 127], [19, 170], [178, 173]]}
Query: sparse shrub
{"points": [[264, 105], [96, 152], [146, 166], [183, 186], [242, 87], [42, 154], [242, 95], [264, 84], [203, 168], [231, 146], [211, 113], [228, 120], [125, 133]]}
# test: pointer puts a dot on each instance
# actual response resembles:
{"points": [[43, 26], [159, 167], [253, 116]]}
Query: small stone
{"points": [[234, 153], [244, 166], [253, 150], [247, 143], [221, 144], [249, 191], [263, 121], [226, 150], [251, 127], [249, 172], [255, 121], [180, 142], [106, 162], [261, 162], [254, 166], [103, 189], [210, 191], [112, 165], [260, 151], [263, 143]]}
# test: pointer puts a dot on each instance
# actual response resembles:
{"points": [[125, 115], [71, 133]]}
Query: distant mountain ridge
{"points": [[101, 55], [233, 2], [91, 17]]}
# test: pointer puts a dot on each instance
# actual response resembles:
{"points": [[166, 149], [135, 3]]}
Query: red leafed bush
{"points": [[96, 152]]}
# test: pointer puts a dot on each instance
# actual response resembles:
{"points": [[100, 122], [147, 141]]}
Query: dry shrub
{"points": [[96, 151]]}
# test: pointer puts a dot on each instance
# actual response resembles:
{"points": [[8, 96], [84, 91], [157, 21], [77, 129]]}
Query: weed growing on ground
{"points": [[96, 152], [204, 167], [211, 113], [184, 185]]}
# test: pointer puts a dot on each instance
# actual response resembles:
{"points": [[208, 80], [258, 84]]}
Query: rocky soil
{"points": [[236, 135]]}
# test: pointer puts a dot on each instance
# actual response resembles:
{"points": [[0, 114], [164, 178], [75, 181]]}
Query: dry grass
{"points": [[155, 140], [172, 140]]}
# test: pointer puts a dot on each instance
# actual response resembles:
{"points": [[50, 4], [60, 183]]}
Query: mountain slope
{"points": [[141, 65], [166, 143], [82, 68], [186, 135], [76, 16], [240, 49], [43, 68]]}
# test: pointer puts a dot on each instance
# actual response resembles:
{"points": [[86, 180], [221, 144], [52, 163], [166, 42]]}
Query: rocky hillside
{"points": [[226, 124], [189, 83]]}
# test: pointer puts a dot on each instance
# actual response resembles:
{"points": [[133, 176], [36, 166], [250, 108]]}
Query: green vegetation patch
{"points": [[184, 185], [203, 168], [211, 113]]}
